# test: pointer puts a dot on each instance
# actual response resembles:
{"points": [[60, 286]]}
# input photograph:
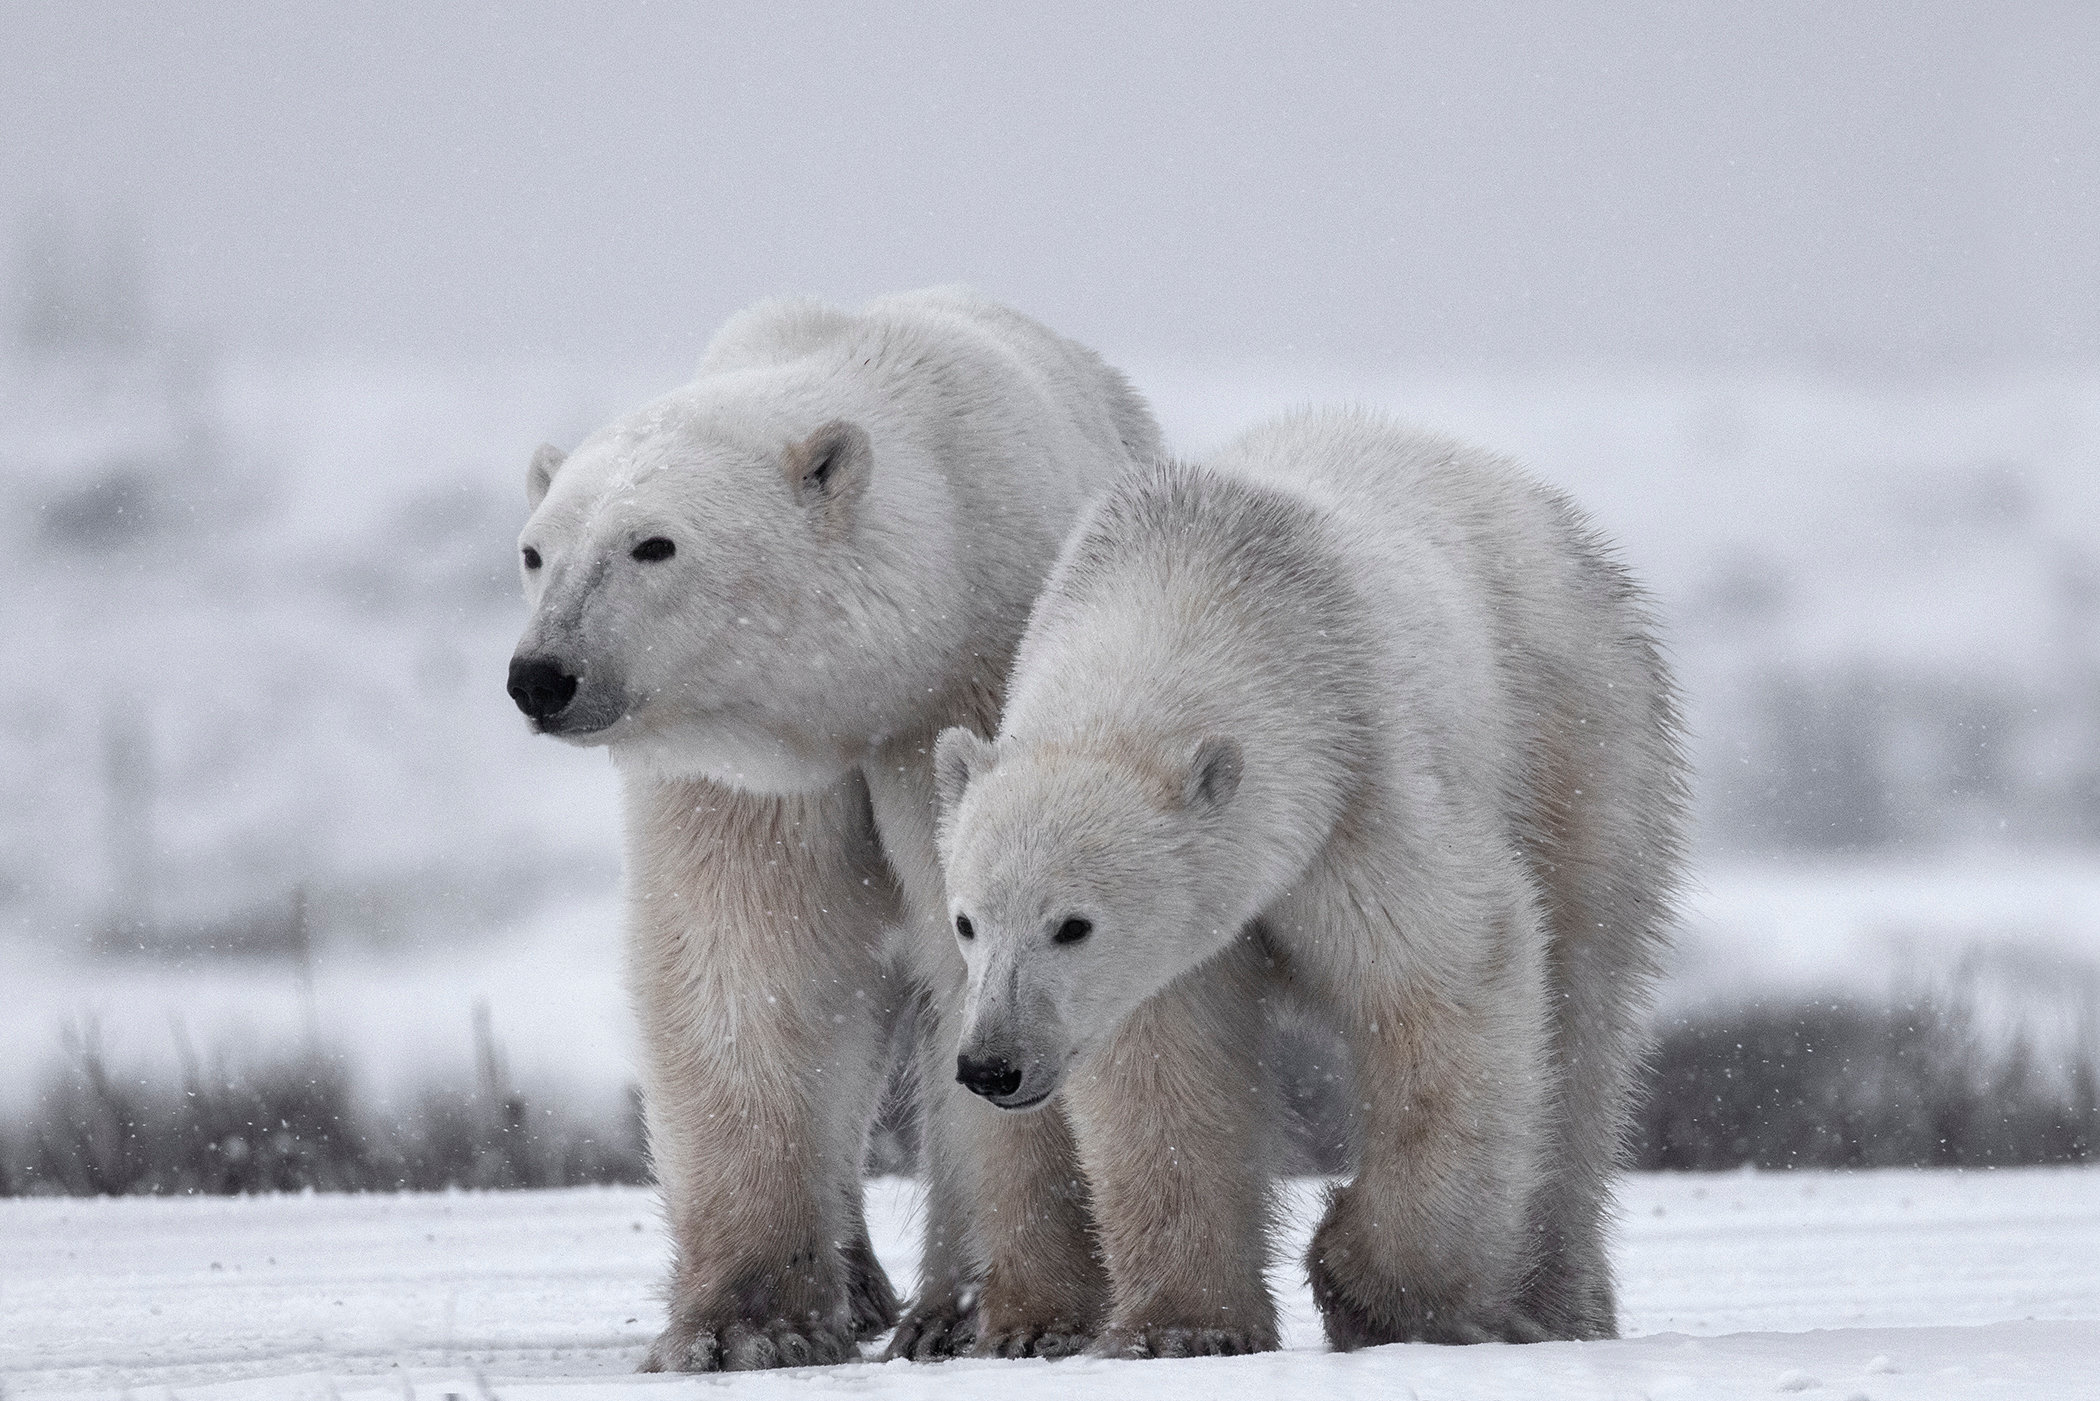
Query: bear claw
{"points": [[1181, 1341], [1049, 1340], [933, 1334]]}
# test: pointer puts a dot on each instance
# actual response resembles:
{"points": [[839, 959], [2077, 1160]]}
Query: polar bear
{"points": [[765, 593], [1362, 720]]}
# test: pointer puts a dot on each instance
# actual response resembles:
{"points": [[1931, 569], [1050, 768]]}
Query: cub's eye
{"points": [[1072, 931], [532, 558], [963, 928], [653, 549]]}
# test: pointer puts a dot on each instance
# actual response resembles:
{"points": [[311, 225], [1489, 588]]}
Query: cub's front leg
{"points": [[755, 962], [1008, 1267], [1174, 1118]]}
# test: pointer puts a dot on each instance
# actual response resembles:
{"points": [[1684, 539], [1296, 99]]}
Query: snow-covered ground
{"points": [[1889, 1285]]}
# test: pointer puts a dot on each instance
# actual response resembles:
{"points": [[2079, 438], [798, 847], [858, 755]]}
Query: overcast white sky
{"points": [[1856, 186]]}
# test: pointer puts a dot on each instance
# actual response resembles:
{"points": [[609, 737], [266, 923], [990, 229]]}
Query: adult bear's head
{"points": [[721, 582]]}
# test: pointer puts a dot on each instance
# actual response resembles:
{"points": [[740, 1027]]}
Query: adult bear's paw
{"points": [[1183, 1340], [933, 1332], [868, 1294], [746, 1347]]}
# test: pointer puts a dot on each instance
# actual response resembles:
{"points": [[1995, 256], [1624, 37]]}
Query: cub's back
{"points": [[1430, 520], [1494, 599]]}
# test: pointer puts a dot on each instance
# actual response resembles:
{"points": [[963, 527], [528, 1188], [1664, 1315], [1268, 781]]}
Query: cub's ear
{"points": [[546, 461], [1214, 774], [959, 755], [830, 466]]}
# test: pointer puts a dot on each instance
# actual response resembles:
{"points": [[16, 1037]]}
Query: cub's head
{"points": [[694, 590], [1076, 882]]}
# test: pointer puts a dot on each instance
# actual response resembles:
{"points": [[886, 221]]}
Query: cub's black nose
{"points": [[989, 1076], [540, 687]]}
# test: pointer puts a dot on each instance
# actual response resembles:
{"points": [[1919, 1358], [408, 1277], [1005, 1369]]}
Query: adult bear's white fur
{"points": [[1365, 719], [859, 509]]}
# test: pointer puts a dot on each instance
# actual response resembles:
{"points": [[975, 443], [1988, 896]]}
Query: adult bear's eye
{"points": [[1073, 930], [653, 549], [963, 928], [532, 558]]}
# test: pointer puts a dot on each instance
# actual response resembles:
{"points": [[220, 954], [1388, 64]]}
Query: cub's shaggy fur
{"points": [[1366, 720]]}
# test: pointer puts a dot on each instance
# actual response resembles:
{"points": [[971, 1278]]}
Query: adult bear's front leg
{"points": [[756, 966]]}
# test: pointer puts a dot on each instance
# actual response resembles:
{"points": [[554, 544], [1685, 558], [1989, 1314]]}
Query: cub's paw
{"points": [[1054, 1339], [1175, 1340], [1570, 1302], [1357, 1316], [746, 1347], [933, 1333], [1363, 1303]]}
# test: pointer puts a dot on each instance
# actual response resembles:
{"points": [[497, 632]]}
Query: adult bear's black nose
{"points": [[989, 1076], [540, 687]]}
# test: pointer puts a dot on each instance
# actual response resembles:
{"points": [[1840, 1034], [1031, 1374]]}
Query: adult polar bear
{"points": [[1365, 718], [766, 593]]}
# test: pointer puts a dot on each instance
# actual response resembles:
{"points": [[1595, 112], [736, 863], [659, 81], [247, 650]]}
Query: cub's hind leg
{"points": [[1605, 840], [1430, 1242]]}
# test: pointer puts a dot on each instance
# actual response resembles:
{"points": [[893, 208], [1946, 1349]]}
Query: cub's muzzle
{"points": [[994, 1077]]}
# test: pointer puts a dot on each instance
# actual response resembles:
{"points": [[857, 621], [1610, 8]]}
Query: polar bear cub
{"points": [[1362, 719]]}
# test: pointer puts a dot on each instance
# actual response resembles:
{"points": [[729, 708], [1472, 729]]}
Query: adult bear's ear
{"points": [[831, 466], [959, 755], [546, 461], [1214, 774]]}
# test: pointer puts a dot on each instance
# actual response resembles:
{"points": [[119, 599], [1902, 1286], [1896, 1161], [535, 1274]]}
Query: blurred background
{"points": [[1800, 301]]}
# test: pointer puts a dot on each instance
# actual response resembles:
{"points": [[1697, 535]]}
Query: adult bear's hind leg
{"points": [[870, 1297], [941, 1320]]}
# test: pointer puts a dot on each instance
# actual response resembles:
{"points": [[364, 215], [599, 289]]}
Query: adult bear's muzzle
{"points": [[542, 687]]}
